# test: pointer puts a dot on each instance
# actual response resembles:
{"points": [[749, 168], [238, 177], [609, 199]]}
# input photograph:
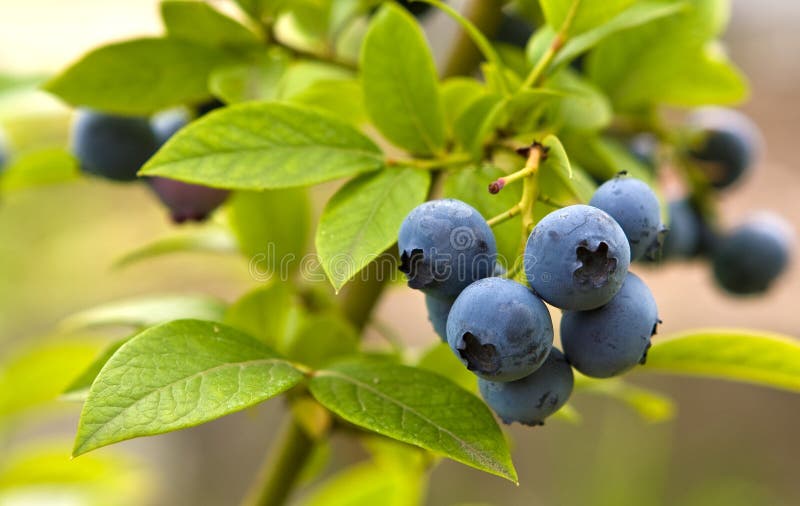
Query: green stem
{"points": [[539, 70], [282, 468]]}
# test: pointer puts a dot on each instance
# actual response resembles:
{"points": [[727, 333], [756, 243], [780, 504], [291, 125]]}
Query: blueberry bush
{"points": [[522, 168]]}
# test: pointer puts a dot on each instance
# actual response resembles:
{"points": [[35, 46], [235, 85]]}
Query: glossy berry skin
{"points": [[610, 340], [576, 258], [438, 309], [533, 398], [112, 147], [724, 144], [752, 256], [499, 329], [444, 246], [635, 207]]}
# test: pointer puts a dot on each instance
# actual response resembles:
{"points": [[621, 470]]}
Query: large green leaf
{"points": [[139, 76], [400, 85], [199, 22], [637, 14], [147, 311], [363, 217], [457, 94], [177, 375], [342, 98], [670, 60], [416, 407], [256, 146], [740, 355], [368, 484], [272, 229], [258, 80], [198, 240]]}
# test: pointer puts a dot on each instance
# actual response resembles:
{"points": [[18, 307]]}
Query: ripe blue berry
{"points": [[438, 309], [724, 143], [576, 258], [113, 147], [444, 246], [533, 398], [753, 255], [499, 329], [635, 207], [610, 340]]}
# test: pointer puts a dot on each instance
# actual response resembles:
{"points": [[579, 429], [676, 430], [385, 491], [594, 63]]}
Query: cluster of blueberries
{"points": [[115, 148], [721, 148], [575, 259]]}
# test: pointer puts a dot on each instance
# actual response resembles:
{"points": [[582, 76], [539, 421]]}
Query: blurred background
{"points": [[729, 444]]}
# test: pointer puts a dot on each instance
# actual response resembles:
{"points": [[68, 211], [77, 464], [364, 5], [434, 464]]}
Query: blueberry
{"points": [[577, 257], [444, 246], [690, 234], [723, 143], [438, 309], [113, 147], [610, 340], [749, 258], [499, 329], [186, 201], [167, 124], [533, 398], [635, 207]]}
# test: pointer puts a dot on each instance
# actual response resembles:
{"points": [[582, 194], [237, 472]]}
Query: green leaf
{"points": [[249, 81], [146, 311], [605, 157], [199, 240], [41, 473], [78, 390], [557, 162], [268, 313], [637, 14], [36, 375], [139, 76], [302, 74], [259, 9], [177, 375], [754, 357], [367, 484], [339, 97], [401, 93], [582, 105], [416, 407], [474, 126], [362, 219], [671, 60], [39, 168], [321, 339], [271, 228], [471, 186], [199, 22], [256, 146], [587, 15], [441, 360], [457, 94]]}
